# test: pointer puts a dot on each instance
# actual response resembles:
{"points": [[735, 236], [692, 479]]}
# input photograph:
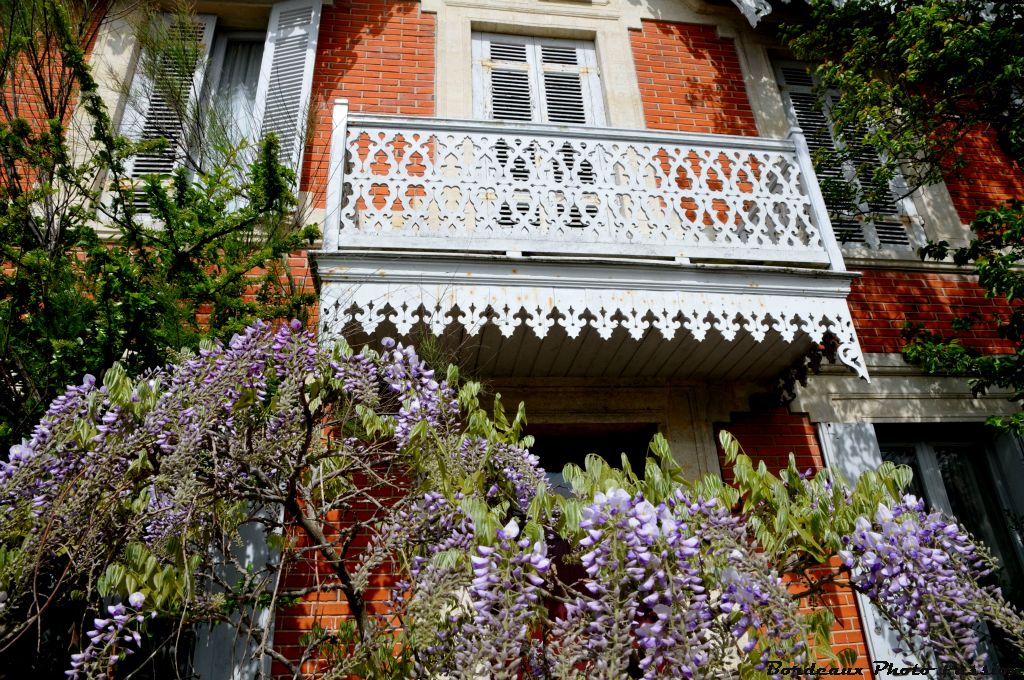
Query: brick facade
{"points": [[882, 301], [378, 55], [770, 436], [690, 80], [989, 178]]}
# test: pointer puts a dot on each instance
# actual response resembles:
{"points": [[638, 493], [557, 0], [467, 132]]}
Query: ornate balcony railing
{"points": [[443, 185]]}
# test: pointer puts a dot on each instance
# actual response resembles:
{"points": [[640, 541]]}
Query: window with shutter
{"points": [[540, 80], [164, 93], [231, 84], [258, 83], [286, 76], [878, 224], [978, 482]]}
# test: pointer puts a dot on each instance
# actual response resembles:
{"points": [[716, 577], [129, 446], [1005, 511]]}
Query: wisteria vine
{"points": [[490, 573]]}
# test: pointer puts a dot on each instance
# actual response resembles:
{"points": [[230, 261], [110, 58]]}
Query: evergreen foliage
{"points": [[88, 278]]}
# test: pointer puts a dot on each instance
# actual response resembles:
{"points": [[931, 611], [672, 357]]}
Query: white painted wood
{"points": [[221, 651], [530, 188], [153, 113], [754, 10], [286, 76], [335, 174], [532, 79], [887, 222], [817, 202], [592, 82], [407, 290], [481, 80], [851, 449]]}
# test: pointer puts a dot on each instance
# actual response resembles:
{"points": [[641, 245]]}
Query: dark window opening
{"points": [[956, 470], [559, 444]]}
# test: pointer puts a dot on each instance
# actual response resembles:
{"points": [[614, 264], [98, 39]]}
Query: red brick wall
{"points": [[48, 90], [326, 606], [881, 301], [41, 89], [377, 54], [690, 80], [770, 436], [990, 177]]}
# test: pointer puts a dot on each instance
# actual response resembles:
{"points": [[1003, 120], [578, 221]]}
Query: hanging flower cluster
{"points": [[111, 638], [517, 468], [656, 582], [507, 592], [424, 398], [924, 572]]}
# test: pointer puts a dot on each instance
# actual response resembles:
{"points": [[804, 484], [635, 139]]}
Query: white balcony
{"points": [[485, 233]]}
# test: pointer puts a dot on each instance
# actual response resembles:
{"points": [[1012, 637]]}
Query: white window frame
{"points": [[854, 448], [1003, 466], [590, 79], [215, 69], [291, 114]]}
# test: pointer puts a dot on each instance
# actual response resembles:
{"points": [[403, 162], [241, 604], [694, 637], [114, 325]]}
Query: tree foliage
{"points": [[89, 278], [915, 78], [373, 478]]}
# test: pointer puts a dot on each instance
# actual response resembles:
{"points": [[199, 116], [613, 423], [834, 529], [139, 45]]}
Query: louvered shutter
{"points": [[506, 87], [886, 215], [286, 76], [886, 224], [571, 88], [518, 78], [160, 106]]}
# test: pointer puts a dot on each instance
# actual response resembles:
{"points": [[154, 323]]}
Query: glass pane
{"points": [[236, 91], [975, 502], [905, 455], [557, 445]]}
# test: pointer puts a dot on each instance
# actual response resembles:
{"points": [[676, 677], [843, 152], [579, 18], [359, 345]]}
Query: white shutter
{"points": [[505, 86], [519, 78], [286, 76], [570, 83], [851, 449], [162, 109], [812, 115]]}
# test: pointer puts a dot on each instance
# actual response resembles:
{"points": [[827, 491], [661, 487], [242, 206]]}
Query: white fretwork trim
{"points": [[472, 302], [501, 187], [754, 10]]}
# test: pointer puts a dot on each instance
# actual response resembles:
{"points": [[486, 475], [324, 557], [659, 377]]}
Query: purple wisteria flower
{"points": [[925, 574], [110, 640], [652, 572], [507, 592]]}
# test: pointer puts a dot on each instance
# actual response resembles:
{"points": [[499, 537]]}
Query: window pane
{"points": [[975, 502], [236, 91], [905, 455], [557, 445]]}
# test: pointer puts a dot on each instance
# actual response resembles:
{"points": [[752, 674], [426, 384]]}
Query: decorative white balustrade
{"points": [[495, 187], [565, 234]]}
